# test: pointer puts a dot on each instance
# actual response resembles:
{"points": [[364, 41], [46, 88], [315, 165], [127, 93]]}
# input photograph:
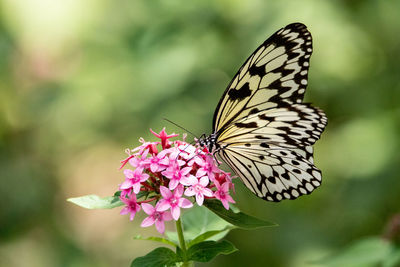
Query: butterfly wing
{"points": [[275, 74], [292, 126], [271, 151], [264, 131], [274, 174]]}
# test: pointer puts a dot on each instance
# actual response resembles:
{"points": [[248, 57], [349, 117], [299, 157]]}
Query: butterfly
{"points": [[261, 128]]}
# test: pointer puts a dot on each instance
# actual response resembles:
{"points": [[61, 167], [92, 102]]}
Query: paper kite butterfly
{"points": [[261, 127]]}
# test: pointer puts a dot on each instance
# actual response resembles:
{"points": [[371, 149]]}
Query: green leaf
{"points": [[238, 219], [156, 239], [366, 252], [96, 202], [199, 220], [209, 234], [160, 257], [207, 250]]}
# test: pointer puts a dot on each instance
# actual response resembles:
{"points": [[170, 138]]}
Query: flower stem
{"points": [[180, 235], [182, 243]]}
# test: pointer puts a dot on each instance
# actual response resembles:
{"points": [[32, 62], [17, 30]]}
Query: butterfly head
{"points": [[210, 142]]}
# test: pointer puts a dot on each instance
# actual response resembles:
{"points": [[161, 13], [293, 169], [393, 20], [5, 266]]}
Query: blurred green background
{"points": [[80, 81]]}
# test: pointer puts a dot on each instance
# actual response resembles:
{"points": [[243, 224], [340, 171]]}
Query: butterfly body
{"points": [[261, 128]]}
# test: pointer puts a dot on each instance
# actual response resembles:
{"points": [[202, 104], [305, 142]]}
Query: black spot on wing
{"points": [[257, 70], [246, 125], [266, 117], [295, 162], [264, 145], [241, 93], [261, 137], [285, 175], [296, 171], [254, 111]]}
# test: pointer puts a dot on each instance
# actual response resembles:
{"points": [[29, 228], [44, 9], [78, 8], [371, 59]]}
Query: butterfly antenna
{"points": [[179, 126]]}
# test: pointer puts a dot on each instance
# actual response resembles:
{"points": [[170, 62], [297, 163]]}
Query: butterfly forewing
{"points": [[274, 75], [295, 125]]}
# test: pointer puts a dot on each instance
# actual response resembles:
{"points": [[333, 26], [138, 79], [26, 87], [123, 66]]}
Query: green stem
{"points": [[180, 236], [182, 243]]}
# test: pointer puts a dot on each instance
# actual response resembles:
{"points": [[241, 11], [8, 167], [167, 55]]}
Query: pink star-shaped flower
{"points": [[223, 177], [164, 137], [173, 201], [155, 217], [198, 189], [207, 167], [176, 175], [222, 194], [138, 161], [159, 162], [131, 206], [133, 179], [173, 157]]}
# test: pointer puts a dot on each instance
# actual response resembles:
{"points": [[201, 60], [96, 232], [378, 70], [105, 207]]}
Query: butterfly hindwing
{"points": [[274, 174], [275, 74]]}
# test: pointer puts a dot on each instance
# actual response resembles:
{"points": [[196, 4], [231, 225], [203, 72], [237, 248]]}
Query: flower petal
{"points": [[186, 170], [173, 184], [199, 199], [178, 191], [147, 222], [126, 184], [128, 173], [189, 192], [176, 212], [207, 192], [124, 211], [153, 167], [225, 186], [148, 209], [144, 177], [160, 226], [230, 199], [185, 203], [163, 205], [204, 181], [165, 192], [136, 187], [225, 203], [200, 173], [190, 180], [132, 215], [167, 216]]}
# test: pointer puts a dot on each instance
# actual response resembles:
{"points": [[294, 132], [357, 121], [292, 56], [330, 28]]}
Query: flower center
{"points": [[198, 188], [157, 216]]}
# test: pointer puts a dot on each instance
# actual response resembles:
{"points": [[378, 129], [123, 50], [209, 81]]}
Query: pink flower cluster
{"points": [[172, 175]]}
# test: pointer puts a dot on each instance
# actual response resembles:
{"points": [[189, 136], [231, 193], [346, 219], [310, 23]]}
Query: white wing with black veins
{"points": [[274, 174], [275, 74], [264, 131]]}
